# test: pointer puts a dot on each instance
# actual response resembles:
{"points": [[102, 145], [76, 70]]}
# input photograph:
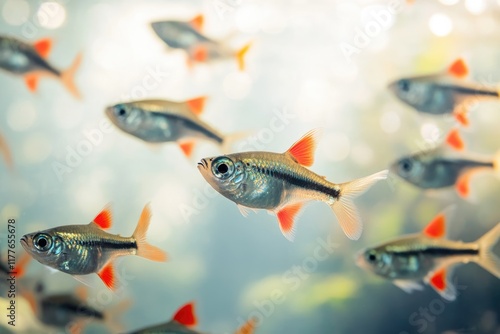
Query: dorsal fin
{"points": [[43, 47], [455, 141], [198, 21], [196, 105], [302, 151], [458, 69], [185, 315], [437, 227], [104, 219]]}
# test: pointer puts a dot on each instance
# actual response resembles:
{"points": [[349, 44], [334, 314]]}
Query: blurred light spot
{"points": [[430, 132], [274, 22], [15, 12], [65, 114], [449, 2], [237, 85], [108, 54], [390, 122], [337, 146], [10, 211], [36, 148], [314, 100], [51, 15], [21, 115], [362, 154], [440, 24], [475, 6], [248, 18]]}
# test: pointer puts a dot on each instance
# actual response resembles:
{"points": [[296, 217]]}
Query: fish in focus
{"points": [[187, 36], [281, 183], [183, 322], [433, 169], [428, 256], [160, 121], [435, 94], [87, 249], [29, 61]]}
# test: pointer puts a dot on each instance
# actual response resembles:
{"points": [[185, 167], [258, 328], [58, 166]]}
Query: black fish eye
{"points": [[371, 257], [222, 167], [42, 242], [406, 165], [404, 85], [121, 111]]}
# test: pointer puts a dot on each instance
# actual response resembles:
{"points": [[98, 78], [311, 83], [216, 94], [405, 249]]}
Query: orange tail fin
{"points": [[144, 249], [68, 77], [240, 56]]}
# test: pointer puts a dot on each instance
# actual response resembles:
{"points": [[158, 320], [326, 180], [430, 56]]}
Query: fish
{"points": [[187, 36], [160, 121], [281, 184], [81, 250], [18, 270], [428, 256], [6, 152], [183, 322], [29, 61], [435, 94], [434, 169]]}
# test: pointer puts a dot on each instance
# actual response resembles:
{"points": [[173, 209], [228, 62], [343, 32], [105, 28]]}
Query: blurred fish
{"points": [[434, 170], [86, 249], [159, 121], [27, 60], [433, 94], [71, 311], [5, 151], [428, 256], [182, 323], [280, 183], [187, 36]]}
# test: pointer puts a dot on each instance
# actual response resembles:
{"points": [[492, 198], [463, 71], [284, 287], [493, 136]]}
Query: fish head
{"points": [[46, 247], [410, 169], [126, 116], [376, 260], [411, 91]]}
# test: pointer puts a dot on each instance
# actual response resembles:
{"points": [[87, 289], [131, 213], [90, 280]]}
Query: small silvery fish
{"points": [[428, 256], [182, 323], [280, 183], [27, 60], [433, 94], [187, 36], [86, 249], [160, 121], [434, 170]]}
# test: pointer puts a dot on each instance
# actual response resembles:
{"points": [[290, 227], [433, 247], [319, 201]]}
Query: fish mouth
{"points": [[203, 163], [24, 240]]}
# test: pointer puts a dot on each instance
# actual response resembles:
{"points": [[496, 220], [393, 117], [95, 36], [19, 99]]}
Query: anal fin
{"points": [[440, 282]]}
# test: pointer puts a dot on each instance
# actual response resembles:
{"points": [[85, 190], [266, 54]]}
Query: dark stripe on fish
{"points": [[192, 125], [77, 309], [473, 91], [301, 182], [439, 251], [119, 244]]}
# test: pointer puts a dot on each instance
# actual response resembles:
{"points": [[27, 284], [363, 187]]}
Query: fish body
{"points": [[433, 170], [281, 183], [426, 257], [86, 249], [63, 309], [434, 94], [20, 58]]}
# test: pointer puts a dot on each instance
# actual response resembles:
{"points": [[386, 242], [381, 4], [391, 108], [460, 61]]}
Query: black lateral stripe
{"points": [[437, 251], [472, 91], [112, 244], [304, 183]]}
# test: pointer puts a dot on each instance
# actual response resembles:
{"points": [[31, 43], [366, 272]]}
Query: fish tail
{"points": [[344, 208], [487, 258], [144, 249], [240, 56], [247, 328], [496, 163], [68, 77], [112, 317]]}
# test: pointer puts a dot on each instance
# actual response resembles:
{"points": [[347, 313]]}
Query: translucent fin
{"points": [[455, 141], [240, 56], [107, 275], [302, 151], [196, 105], [144, 249], [68, 77], [43, 47], [408, 286], [104, 219], [245, 210], [31, 82], [440, 282], [286, 218], [247, 328], [458, 69], [345, 209], [186, 315], [487, 258]]}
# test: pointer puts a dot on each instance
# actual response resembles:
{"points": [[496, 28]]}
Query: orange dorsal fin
{"points": [[196, 105], [303, 150], [43, 47], [455, 141], [438, 280], [107, 275], [187, 148], [286, 218], [200, 54], [198, 21], [186, 316], [437, 227], [31, 82], [458, 69], [104, 219]]}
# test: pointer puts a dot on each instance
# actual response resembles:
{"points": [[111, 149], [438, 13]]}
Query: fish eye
{"points": [[121, 111], [371, 256], [42, 242], [404, 85], [222, 167], [406, 165]]}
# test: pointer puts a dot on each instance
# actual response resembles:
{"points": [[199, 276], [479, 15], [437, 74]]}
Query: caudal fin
{"points": [[247, 328], [144, 249], [240, 56], [496, 164], [68, 77], [487, 259], [344, 208]]}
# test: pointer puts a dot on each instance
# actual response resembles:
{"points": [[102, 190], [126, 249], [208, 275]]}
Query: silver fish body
{"points": [[171, 327], [179, 35]]}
